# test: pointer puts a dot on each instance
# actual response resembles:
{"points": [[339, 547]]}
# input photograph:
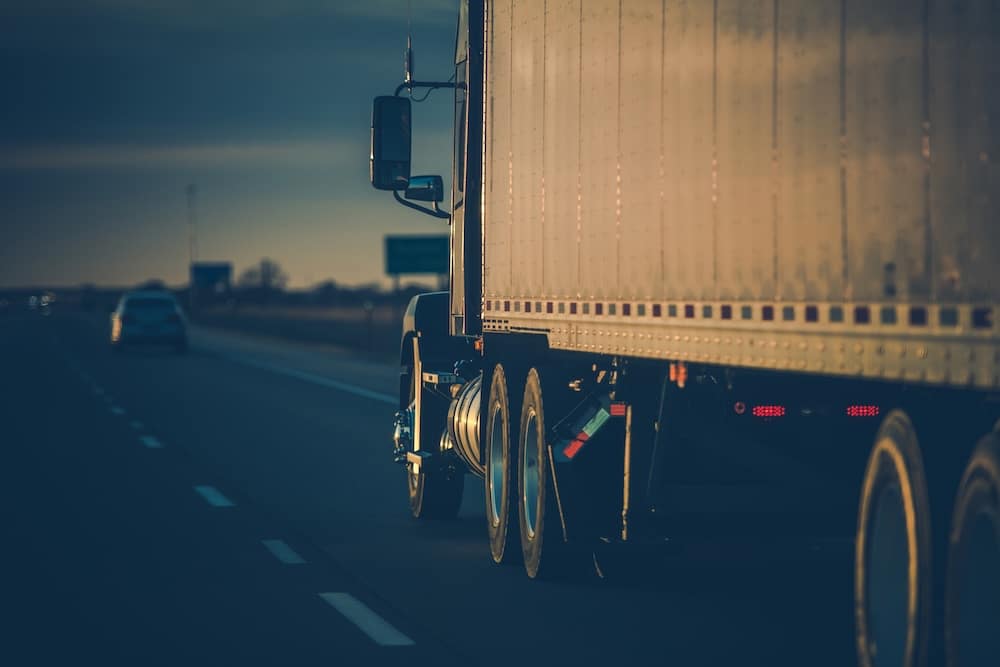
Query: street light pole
{"points": [[192, 196]]}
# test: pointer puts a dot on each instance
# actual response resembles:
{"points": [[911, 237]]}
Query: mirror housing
{"points": [[389, 160], [425, 188]]}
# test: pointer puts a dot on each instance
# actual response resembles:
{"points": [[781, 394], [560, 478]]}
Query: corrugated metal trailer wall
{"points": [[829, 164]]}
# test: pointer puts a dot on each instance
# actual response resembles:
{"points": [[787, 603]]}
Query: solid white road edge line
{"points": [[151, 442], [283, 552], [373, 625], [213, 496], [315, 379]]}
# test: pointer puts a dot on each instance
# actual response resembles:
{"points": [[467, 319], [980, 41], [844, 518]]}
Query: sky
{"points": [[111, 108]]}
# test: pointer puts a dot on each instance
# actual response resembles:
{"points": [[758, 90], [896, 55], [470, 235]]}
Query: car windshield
{"points": [[147, 305]]}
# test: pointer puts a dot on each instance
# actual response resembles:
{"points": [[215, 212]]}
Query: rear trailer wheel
{"points": [[544, 547], [972, 603], [893, 549], [500, 468], [435, 492]]}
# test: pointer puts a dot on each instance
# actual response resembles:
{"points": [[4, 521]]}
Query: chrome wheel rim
{"points": [[411, 474], [498, 474], [530, 475], [888, 579]]}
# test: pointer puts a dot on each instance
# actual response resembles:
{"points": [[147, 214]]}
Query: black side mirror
{"points": [[425, 188], [390, 147]]}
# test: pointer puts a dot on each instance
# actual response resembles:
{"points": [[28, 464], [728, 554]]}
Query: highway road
{"points": [[238, 505]]}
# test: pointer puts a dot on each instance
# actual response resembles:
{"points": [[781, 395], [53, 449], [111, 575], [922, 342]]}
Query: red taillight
{"points": [[862, 411], [768, 411]]}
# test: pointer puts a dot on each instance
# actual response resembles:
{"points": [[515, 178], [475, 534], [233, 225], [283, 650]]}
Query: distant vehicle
{"points": [[151, 317], [45, 303]]}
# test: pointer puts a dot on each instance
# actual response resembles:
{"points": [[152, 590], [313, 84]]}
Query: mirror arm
{"points": [[433, 85], [434, 212]]}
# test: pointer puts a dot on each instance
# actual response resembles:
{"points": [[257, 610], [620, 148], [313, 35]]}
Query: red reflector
{"points": [[617, 409], [572, 448], [862, 411], [768, 411]]}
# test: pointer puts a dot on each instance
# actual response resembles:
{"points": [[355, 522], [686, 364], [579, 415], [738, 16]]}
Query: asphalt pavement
{"points": [[238, 505]]}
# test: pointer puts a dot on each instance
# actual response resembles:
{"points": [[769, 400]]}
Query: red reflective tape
{"points": [[583, 436], [572, 448], [618, 409]]}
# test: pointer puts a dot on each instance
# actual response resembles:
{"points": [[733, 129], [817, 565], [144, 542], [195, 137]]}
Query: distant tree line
{"points": [[265, 283]]}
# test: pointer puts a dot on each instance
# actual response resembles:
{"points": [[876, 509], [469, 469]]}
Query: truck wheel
{"points": [[892, 570], [500, 469], [436, 495], [543, 547], [972, 603]]}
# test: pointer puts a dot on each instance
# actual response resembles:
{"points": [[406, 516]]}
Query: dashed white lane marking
{"points": [[136, 424], [316, 379], [115, 410], [151, 442], [283, 552], [98, 391], [213, 496], [373, 625]]}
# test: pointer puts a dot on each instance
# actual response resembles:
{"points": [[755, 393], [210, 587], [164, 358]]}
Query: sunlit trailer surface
{"points": [[745, 248]]}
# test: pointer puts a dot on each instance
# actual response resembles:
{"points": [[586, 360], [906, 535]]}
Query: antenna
{"points": [[408, 58]]}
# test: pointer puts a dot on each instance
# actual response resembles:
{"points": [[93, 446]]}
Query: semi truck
{"points": [[727, 266]]}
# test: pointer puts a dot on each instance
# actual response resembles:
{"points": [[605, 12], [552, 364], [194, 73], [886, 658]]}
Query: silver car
{"points": [[148, 317]]}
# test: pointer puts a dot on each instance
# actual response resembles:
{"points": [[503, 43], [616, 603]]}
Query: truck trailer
{"points": [[720, 266]]}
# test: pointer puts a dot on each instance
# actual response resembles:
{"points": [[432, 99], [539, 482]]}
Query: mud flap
{"points": [[571, 443]]}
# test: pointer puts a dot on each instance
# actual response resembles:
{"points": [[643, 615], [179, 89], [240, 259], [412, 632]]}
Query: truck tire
{"points": [[892, 574], [499, 451], [972, 602], [438, 494], [544, 549]]}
